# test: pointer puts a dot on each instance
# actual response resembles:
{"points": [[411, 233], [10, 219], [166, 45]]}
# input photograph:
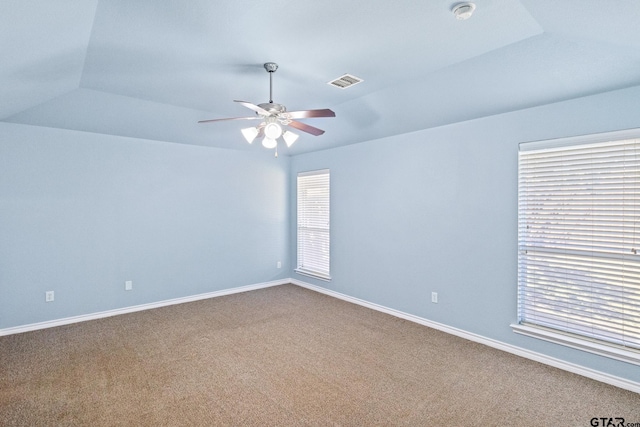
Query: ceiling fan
{"points": [[274, 116]]}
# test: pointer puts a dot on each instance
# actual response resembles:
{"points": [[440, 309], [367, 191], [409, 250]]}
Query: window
{"points": [[579, 243], [313, 224]]}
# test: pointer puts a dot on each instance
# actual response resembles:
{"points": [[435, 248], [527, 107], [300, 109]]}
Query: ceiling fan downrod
{"points": [[271, 67]]}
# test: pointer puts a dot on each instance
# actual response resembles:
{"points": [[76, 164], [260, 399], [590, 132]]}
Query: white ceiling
{"points": [[153, 68]]}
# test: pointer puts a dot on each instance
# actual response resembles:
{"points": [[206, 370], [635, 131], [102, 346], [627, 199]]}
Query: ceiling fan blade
{"points": [[229, 118], [254, 107], [306, 128], [306, 114]]}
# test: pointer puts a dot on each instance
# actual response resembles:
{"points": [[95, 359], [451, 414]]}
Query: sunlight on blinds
{"points": [[313, 224], [578, 262]]}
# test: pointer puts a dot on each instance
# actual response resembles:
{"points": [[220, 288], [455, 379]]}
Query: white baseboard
{"points": [[141, 307], [528, 354]]}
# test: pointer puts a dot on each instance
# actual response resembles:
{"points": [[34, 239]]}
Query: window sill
{"points": [[612, 351], [313, 274]]}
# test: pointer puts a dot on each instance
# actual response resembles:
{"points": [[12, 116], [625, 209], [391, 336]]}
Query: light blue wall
{"points": [[433, 210], [436, 210], [80, 213]]}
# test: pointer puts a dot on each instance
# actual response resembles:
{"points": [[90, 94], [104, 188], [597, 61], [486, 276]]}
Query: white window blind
{"points": [[579, 237], [314, 224]]}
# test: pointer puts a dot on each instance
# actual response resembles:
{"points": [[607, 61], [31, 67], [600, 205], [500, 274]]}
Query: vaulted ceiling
{"points": [[152, 68]]}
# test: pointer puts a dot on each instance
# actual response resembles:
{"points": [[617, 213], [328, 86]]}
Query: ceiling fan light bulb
{"points": [[249, 134], [269, 142], [272, 131], [289, 138]]}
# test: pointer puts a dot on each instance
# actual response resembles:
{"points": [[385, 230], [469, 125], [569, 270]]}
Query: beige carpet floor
{"points": [[283, 356]]}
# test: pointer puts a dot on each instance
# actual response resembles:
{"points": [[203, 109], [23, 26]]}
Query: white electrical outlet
{"points": [[434, 297], [128, 285], [279, 264], [48, 296]]}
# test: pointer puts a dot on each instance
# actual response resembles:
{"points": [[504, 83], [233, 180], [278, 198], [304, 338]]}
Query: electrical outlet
{"points": [[434, 297], [279, 264], [48, 296], [128, 285]]}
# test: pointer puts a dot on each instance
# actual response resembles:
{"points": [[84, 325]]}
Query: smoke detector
{"points": [[463, 11]]}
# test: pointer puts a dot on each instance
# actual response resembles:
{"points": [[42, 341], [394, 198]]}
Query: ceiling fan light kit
{"points": [[274, 117], [289, 137], [269, 143], [250, 134], [272, 130]]}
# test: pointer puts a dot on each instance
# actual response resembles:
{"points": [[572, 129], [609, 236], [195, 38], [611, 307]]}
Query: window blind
{"points": [[579, 237], [314, 224]]}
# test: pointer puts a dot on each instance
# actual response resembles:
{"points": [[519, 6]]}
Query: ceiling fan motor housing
{"points": [[277, 111], [273, 108]]}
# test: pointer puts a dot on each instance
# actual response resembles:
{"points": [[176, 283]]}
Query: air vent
{"points": [[345, 81]]}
